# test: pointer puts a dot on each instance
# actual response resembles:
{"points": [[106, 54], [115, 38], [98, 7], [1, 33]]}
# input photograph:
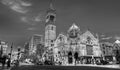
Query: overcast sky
{"points": [[20, 19]]}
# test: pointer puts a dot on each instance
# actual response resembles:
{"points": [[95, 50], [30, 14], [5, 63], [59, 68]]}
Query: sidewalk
{"points": [[26, 64], [5, 67], [107, 66]]}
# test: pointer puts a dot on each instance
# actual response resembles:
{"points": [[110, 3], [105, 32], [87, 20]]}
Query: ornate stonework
{"points": [[74, 44]]}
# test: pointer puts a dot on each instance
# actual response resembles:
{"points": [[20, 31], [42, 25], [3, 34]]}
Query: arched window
{"points": [[52, 17]]}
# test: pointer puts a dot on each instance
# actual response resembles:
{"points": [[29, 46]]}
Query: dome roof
{"points": [[74, 26]]}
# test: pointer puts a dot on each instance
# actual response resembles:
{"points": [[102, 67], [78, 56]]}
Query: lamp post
{"points": [[19, 49], [1, 50], [18, 55], [11, 51]]}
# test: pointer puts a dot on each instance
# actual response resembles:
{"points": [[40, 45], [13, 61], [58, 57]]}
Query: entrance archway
{"points": [[70, 59], [76, 57]]}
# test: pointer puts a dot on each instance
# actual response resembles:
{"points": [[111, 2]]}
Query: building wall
{"points": [[107, 49], [4, 46], [34, 41], [79, 44], [116, 49]]}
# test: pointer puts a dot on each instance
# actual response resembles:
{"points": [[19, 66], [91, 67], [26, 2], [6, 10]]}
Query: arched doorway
{"points": [[70, 59], [76, 57]]}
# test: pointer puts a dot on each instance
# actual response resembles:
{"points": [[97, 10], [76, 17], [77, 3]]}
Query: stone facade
{"points": [[50, 28], [107, 50], [67, 47], [34, 41], [3, 48], [76, 44]]}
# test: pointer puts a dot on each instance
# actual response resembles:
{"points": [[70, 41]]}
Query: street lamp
{"points": [[19, 49], [11, 51]]}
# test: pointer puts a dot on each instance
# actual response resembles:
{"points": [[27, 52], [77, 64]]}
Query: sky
{"points": [[20, 19]]}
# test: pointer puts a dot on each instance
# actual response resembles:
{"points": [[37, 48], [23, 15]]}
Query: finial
{"points": [[51, 5]]}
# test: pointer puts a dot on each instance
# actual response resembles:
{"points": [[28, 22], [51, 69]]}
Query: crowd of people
{"points": [[5, 60]]}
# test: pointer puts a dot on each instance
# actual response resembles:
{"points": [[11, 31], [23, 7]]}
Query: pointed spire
{"points": [[51, 6]]}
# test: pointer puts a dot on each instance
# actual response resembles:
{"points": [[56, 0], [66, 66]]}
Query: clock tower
{"points": [[50, 28]]}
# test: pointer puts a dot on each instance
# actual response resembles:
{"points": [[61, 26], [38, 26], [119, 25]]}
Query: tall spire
{"points": [[51, 8], [51, 5]]}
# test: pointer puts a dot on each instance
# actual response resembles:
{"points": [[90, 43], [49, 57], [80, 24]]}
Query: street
{"points": [[33, 67]]}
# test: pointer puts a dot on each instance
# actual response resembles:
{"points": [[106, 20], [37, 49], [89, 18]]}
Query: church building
{"points": [[73, 46]]}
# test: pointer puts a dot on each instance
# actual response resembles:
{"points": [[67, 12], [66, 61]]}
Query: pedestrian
{"points": [[3, 61], [8, 63]]}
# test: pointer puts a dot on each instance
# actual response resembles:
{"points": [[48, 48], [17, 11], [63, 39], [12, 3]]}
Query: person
{"points": [[8, 63], [3, 61]]}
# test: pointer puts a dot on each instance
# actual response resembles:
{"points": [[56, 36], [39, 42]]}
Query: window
{"points": [[103, 52], [52, 28], [52, 44], [103, 47], [58, 52], [52, 18], [51, 40]]}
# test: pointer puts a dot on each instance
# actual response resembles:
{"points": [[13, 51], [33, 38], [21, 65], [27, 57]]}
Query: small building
{"points": [[3, 48], [116, 50], [107, 50], [76, 45], [34, 41]]}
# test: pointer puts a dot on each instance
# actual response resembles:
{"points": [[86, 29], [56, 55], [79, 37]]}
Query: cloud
{"points": [[117, 37], [39, 18], [102, 35], [25, 4], [27, 20], [31, 29], [24, 19], [106, 38], [19, 6], [32, 19]]}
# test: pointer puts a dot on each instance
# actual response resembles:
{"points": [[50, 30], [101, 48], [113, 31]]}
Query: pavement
{"points": [[25, 66], [35, 67], [5, 68], [105, 66]]}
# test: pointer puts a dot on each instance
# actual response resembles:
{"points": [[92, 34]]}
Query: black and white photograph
{"points": [[59, 34]]}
